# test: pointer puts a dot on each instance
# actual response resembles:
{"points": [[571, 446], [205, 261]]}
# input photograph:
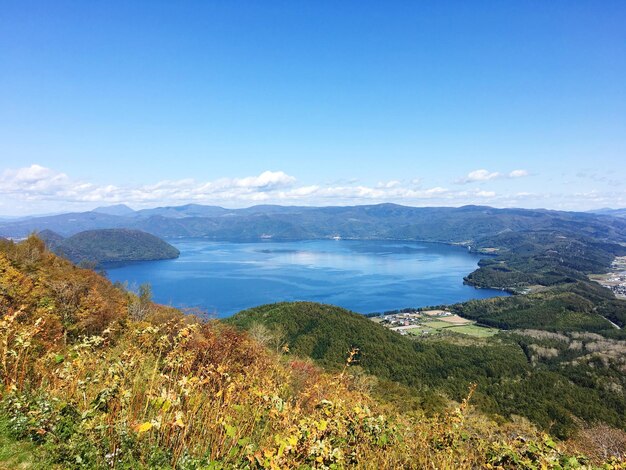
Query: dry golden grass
{"points": [[98, 389]]}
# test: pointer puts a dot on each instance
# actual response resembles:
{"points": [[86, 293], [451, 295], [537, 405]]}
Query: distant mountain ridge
{"points": [[383, 221], [118, 209], [611, 212]]}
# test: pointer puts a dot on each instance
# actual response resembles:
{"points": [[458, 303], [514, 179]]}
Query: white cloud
{"points": [[34, 179], [304, 191], [518, 174], [486, 175], [388, 184], [266, 180], [479, 175], [38, 189], [37, 183]]}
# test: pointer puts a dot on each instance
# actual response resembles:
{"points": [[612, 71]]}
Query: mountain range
{"points": [[463, 225], [613, 212]]}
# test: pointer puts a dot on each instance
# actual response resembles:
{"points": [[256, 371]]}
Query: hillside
{"points": [[326, 333], [510, 381], [50, 238], [96, 377], [545, 257], [112, 245]]}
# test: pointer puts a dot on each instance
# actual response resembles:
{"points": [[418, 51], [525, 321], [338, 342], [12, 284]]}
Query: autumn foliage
{"points": [[99, 379]]}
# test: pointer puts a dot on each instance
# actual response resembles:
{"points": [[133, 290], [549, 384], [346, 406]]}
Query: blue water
{"points": [[223, 278]]}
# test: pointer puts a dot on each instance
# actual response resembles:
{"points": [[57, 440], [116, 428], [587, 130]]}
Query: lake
{"points": [[223, 278]]}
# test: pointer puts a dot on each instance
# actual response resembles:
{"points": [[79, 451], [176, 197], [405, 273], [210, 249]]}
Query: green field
{"points": [[434, 326], [437, 324], [419, 331], [474, 330], [17, 454]]}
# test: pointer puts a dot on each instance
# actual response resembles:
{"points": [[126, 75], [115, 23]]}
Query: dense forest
{"points": [[93, 376], [521, 259], [551, 269], [109, 246], [513, 372]]}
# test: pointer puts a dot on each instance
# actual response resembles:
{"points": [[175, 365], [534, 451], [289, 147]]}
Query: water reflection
{"points": [[364, 276]]}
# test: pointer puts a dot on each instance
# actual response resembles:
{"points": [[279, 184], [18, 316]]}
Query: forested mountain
{"points": [[551, 270], [109, 246], [384, 221], [543, 257], [514, 372]]}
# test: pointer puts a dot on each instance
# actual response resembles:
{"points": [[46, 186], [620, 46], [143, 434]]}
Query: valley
{"points": [[429, 322], [615, 280]]}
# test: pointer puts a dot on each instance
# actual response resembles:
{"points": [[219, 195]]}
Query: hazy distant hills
{"points": [[611, 212], [109, 245], [382, 221], [63, 224], [118, 209]]}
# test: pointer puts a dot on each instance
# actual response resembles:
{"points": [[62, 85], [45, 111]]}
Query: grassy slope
{"points": [[20, 454]]}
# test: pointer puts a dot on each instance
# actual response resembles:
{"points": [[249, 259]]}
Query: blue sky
{"points": [[237, 103]]}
